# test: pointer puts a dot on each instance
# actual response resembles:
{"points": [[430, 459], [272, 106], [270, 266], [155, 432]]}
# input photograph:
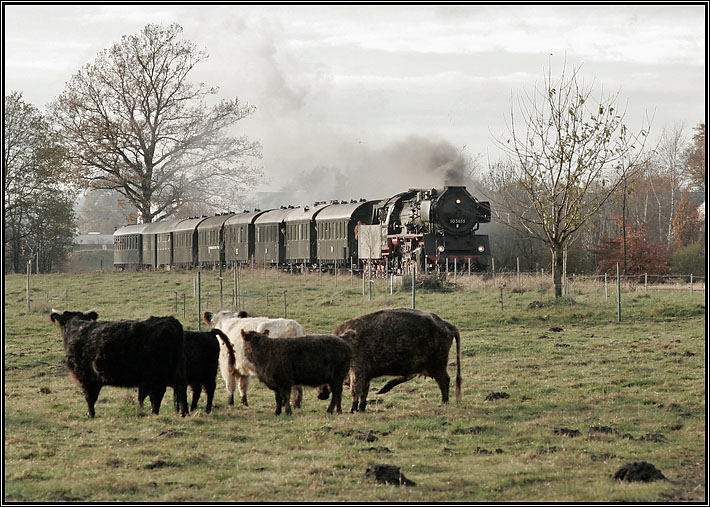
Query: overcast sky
{"points": [[343, 93]]}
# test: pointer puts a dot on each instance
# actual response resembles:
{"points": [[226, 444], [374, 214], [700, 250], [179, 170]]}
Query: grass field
{"points": [[582, 401]]}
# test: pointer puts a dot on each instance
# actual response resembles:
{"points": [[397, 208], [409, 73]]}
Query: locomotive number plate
{"points": [[457, 220]]}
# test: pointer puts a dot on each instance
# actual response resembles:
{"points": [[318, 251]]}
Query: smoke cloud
{"points": [[415, 162]]}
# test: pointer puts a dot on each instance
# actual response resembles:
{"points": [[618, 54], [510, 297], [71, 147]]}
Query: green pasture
{"points": [[582, 400]]}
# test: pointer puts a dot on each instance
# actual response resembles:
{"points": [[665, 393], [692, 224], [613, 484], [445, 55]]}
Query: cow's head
{"points": [[323, 391], [60, 319], [254, 337], [348, 335], [214, 319]]}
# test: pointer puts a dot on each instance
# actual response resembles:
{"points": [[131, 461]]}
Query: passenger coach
{"points": [[301, 242], [337, 230]]}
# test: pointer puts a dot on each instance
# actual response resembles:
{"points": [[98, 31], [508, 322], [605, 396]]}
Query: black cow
{"points": [[401, 342], [304, 360], [145, 353], [201, 360]]}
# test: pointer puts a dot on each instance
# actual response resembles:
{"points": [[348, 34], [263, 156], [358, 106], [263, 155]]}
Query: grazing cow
{"points": [[201, 359], [238, 373], [401, 342], [145, 353], [306, 360]]}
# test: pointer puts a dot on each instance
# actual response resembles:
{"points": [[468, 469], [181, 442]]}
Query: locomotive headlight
{"points": [[458, 201], [440, 248], [481, 248]]}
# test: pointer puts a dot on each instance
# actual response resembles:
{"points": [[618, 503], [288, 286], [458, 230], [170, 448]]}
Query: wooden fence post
{"points": [[29, 272], [618, 294], [199, 303], [414, 290]]}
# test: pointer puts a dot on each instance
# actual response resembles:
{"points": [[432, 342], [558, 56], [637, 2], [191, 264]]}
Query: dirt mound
{"points": [[388, 474], [497, 396], [566, 432], [639, 471], [536, 304]]}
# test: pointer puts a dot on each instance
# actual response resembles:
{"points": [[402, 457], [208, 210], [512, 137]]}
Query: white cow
{"points": [[232, 325]]}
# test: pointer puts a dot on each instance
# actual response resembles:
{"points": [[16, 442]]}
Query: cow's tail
{"points": [[230, 349], [457, 335]]}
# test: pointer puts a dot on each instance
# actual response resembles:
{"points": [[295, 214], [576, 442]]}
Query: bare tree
{"points": [[568, 152], [133, 123], [670, 153]]}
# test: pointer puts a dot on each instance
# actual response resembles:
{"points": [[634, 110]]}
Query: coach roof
{"points": [[305, 213], [341, 211], [161, 226], [130, 229], [272, 217], [188, 224], [215, 221], [244, 218]]}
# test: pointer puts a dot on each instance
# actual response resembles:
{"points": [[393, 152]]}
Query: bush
{"points": [[689, 260]]}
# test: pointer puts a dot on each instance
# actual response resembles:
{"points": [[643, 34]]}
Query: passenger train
{"points": [[426, 227]]}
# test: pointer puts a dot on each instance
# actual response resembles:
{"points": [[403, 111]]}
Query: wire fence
{"points": [[233, 289]]}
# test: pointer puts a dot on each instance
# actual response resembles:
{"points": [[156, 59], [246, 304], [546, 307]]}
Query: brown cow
{"points": [[304, 360], [400, 342]]}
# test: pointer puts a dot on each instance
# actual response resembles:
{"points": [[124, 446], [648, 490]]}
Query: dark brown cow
{"points": [[401, 342], [304, 360]]}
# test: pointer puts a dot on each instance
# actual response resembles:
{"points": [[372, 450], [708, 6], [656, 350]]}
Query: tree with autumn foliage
{"points": [[696, 158], [686, 223], [643, 255]]}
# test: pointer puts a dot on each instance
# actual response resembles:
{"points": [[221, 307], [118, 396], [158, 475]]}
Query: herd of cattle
{"points": [[157, 353]]}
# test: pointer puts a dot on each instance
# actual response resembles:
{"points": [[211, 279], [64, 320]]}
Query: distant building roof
{"points": [[93, 239]]}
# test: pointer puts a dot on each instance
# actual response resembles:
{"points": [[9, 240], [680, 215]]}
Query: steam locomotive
{"points": [[428, 228]]}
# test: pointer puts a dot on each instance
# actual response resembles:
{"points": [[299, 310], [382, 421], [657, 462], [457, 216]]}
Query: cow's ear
{"points": [[242, 314], [266, 332], [244, 335], [349, 334], [54, 316], [91, 315], [207, 317]]}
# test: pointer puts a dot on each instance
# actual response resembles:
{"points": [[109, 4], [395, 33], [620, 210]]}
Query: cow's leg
{"points": [[196, 390], [443, 380], [243, 385], [228, 375], [209, 389], [156, 397], [336, 400], [359, 388], [286, 398], [142, 393], [181, 391], [91, 394], [354, 391], [297, 395], [394, 382], [277, 396], [363, 397]]}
